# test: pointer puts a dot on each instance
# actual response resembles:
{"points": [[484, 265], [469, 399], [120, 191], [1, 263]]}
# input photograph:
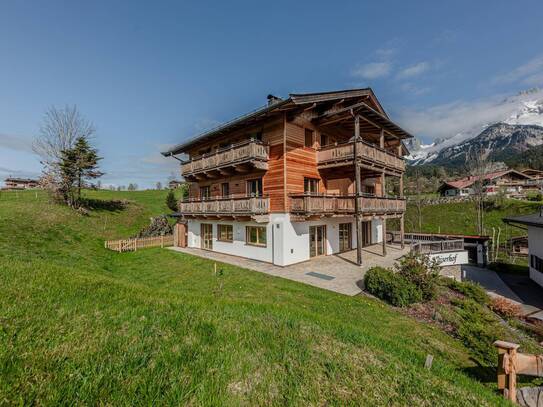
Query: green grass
{"points": [[83, 325], [460, 218]]}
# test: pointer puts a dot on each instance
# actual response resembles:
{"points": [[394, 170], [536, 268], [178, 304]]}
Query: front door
{"points": [[317, 239], [207, 236], [345, 237]]}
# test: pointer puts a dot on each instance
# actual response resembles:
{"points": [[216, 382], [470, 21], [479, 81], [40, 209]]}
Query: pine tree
{"points": [[171, 202], [77, 165]]}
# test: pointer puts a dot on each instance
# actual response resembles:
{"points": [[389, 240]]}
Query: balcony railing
{"points": [[231, 205], [251, 150], [344, 204], [336, 154]]}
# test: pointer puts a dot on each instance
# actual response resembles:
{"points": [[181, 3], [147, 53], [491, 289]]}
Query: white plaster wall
{"points": [[238, 247], [535, 246], [287, 242]]}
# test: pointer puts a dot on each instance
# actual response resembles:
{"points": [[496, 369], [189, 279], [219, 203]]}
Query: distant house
{"points": [[534, 226], [173, 184], [20, 183], [535, 174], [510, 182], [519, 245]]}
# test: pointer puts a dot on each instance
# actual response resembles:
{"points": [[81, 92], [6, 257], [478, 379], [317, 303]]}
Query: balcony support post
{"points": [[402, 232], [357, 187], [384, 225], [382, 139]]}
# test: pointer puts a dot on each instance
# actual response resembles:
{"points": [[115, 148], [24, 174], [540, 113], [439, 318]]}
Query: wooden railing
{"points": [[231, 205], [428, 243], [236, 153], [369, 152], [133, 244], [344, 204]]}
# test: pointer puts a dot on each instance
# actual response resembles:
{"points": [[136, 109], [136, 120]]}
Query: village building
{"points": [[20, 183], [535, 174], [301, 177], [533, 224], [173, 184], [512, 183]]}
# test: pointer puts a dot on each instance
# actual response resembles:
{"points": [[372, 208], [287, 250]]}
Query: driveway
{"points": [[516, 288], [338, 273]]}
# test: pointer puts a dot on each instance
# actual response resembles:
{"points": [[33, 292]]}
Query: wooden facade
{"points": [[311, 155]]}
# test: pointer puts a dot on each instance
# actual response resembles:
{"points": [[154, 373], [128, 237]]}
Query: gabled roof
{"points": [[293, 101], [469, 181], [15, 179]]}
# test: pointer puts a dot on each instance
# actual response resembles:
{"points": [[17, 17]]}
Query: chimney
{"points": [[272, 100]]}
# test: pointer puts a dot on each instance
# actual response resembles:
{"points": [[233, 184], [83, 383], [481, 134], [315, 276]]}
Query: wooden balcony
{"points": [[230, 206], [371, 157], [237, 158], [337, 205]]}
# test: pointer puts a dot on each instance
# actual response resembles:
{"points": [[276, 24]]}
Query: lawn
{"points": [[460, 217], [83, 325]]}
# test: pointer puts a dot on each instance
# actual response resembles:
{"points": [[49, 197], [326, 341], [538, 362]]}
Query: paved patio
{"points": [[337, 273]]}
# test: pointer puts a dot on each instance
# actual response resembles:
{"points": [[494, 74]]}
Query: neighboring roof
{"points": [[531, 172], [14, 179], [535, 219], [469, 181], [294, 100]]}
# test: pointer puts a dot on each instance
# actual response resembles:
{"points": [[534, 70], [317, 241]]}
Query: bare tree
{"points": [[476, 167], [59, 131], [159, 185]]}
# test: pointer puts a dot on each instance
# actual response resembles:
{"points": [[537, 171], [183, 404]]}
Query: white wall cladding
{"points": [[287, 242], [535, 245]]}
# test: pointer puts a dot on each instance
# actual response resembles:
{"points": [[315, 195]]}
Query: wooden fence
{"points": [[132, 245]]}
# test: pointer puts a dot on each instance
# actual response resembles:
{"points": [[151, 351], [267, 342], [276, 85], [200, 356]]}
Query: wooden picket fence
{"points": [[132, 245]]}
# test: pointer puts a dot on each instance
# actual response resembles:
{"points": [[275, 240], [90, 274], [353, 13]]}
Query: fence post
{"points": [[507, 375], [162, 241]]}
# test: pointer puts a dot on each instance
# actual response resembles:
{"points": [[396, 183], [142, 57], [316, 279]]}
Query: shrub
{"points": [[469, 289], [477, 327], [505, 308], [391, 287], [421, 271], [534, 196]]}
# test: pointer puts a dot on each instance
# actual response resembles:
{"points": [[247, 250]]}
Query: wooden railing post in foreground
{"points": [[507, 369]]}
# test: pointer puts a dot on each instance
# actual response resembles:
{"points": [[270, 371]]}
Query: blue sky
{"points": [[151, 74]]}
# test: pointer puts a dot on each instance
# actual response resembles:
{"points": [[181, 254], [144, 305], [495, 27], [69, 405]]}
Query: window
{"points": [[536, 263], [255, 235], [254, 187], [225, 189], [311, 186], [308, 138], [205, 192], [225, 233], [324, 140]]}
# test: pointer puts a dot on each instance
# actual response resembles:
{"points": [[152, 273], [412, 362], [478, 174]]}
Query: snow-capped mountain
{"points": [[513, 114]]}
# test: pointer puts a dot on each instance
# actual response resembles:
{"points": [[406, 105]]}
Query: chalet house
{"points": [[535, 174], [510, 182], [173, 184], [300, 177], [534, 225], [20, 183]]}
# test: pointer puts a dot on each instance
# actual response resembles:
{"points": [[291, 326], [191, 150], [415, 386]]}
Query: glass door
{"points": [[345, 237], [207, 236], [317, 239]]}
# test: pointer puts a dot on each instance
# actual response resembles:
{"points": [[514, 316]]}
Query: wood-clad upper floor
{"points": [[305, 141]]}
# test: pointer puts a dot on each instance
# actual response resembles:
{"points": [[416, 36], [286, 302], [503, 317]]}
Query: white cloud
{"points": [[530, 73], [372, 70], [447, 120], [414, 70], [18, 143], [386, 53], [414, 89]]}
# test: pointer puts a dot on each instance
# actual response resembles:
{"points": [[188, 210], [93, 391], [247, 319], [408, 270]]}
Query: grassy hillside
{"points": [[83, 325], [460, 217]]}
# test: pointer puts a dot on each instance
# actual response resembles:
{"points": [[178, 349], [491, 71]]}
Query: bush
{"points": [[505, 308], [418, 269], [534, 196], [469, 289], [477, 327], [391, 287]]}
